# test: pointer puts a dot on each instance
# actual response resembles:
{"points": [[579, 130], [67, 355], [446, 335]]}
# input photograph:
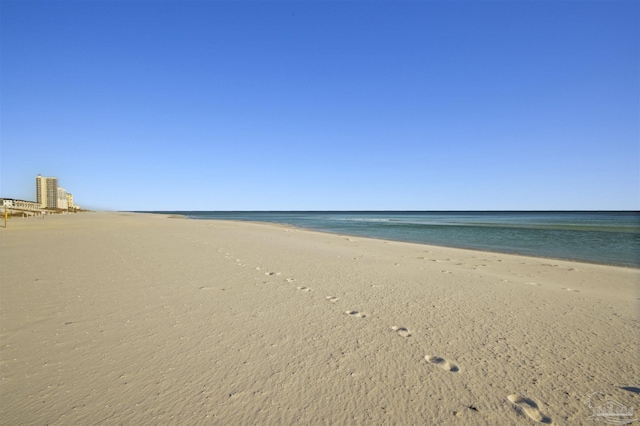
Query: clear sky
{"points": [[323, 105]]}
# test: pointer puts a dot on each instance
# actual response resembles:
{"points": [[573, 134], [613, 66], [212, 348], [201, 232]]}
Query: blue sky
{"points": [[323, 105]]}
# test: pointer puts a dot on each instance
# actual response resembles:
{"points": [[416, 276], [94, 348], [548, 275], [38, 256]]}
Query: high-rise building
{"points": [[47, 192], [62, 199]]}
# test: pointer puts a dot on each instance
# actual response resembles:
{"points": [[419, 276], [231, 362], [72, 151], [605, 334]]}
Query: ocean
{"points": [[596, 237]]}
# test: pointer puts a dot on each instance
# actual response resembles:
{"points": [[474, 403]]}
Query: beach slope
{"points": [[119, 318]]}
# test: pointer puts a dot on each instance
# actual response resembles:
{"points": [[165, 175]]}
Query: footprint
{"points": [[529, 407], [332, 299], [533, 284], [290, 280], [304, 288], [442, 363], [355, 314], [446, 272], [571, 289], [401, 331]]}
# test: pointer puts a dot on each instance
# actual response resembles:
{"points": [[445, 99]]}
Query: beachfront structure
{"points": [[20, 206], [62, 199], [70, 204], [47, 192]]}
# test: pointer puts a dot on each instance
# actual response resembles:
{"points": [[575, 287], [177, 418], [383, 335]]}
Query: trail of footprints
{"points": [[522, 405]]}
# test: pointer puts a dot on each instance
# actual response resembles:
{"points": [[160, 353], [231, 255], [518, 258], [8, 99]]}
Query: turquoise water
{"points": [[600, 237]]}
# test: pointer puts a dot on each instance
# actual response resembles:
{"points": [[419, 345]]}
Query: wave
{"points": [[533, 226]]}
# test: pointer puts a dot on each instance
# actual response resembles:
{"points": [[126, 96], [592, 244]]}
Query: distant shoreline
{"points": [[420, 236]]}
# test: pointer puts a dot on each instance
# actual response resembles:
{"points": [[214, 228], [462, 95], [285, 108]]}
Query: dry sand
{"points": [[114, 318]]}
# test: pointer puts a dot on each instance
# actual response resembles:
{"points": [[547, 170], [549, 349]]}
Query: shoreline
{"points": [[566, 259], [406, 241], [340, 234], [133, 318]]}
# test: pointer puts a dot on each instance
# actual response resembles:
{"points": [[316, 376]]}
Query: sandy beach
{"points": [[123, 318]]}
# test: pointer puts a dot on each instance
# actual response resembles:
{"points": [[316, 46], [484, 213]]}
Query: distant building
{"points": [[47, 192], [63, 204], [70, 204], [15, 206]]}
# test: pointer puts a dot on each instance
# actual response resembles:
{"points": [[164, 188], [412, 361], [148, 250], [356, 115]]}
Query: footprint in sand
{"points": [[304, 288], [290, 280], [446, 272], [355, 314], [332, 299], [571, 289], [401, 331], [529, 407], [533, 284], [442, 363], [272, 273]]}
